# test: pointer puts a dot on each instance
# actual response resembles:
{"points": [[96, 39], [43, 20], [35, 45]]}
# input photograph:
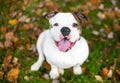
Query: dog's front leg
{"points": [[54, 72], [77, 70]]}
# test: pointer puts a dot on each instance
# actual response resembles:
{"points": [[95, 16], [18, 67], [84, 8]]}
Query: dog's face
{"points": [[64, 28]]}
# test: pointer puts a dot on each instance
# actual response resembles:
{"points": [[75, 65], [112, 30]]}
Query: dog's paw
{"points": [[54, 74], [77, 70], [61, 71], [35, 67]]}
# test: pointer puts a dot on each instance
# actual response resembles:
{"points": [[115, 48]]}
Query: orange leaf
{"points": [[12, 75], [12, 22], [6, 61], [105, 71], [15, 39], [27, 46]]}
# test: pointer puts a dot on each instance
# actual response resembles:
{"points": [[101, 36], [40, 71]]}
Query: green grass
{"points": [[99, 57]]}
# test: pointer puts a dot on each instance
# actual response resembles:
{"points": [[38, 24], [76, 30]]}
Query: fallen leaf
{"points": [[116, 27], [105, 71], [15, 39], [107, 29], [9, 35], [110, 72], [118, 72], [101, 15], [1, 45], [22, 18], [15, 60], [118, 44], [27, 78], [111, 35], [8, 43], [12, 22], [38, 12], [6, 61], [27, 46], [27, 26], [98, 78], [3, 29], [12, 75], [96, 33], [46, 65], [1, 75]]}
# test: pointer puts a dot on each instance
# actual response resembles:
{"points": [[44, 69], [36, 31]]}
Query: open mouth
{"points": [[64, 44]]}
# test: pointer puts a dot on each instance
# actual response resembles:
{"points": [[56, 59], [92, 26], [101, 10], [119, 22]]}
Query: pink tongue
{"points": [[63, 45]]}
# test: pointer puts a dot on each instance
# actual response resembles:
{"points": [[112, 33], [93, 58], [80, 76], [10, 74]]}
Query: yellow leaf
{"points": [[12, 75], [1, 75], [12, 22], [105, 71]]}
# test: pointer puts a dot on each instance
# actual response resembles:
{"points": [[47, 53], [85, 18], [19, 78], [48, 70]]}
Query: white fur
{"points": [[59, 60]]}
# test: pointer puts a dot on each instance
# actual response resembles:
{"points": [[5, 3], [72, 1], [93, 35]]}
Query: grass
{"points": [[103, 51]]}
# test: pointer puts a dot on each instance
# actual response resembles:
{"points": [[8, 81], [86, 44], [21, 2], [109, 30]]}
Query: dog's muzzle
{"points": [[65, 31]]}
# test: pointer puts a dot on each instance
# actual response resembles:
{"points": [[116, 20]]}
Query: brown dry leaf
{"points": [[51, 6], [15, 39], [38, 12], [12, 75], [118, 44], [46, 65], [1, 75], [3, 29], [105, 71], [118, 72], [8, 43], [98, 78], [6, 61], [27, 26], [83, 69], [9, 35], [95, 2], [116, 27]]}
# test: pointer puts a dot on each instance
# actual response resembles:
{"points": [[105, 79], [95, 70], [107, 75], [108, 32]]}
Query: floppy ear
{"points": [[50, 15], [80, 16]]}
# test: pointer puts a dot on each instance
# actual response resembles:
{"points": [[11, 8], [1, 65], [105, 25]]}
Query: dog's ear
{"points": [[80, 16], [50, 14]]}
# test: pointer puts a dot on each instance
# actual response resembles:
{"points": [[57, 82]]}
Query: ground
{"points": [[22, 21]]}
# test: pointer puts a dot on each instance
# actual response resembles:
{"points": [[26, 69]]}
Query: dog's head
{"points": [[65, 28]]}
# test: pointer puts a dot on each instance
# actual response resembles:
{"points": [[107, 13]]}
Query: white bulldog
{"points": [[61, 45]]}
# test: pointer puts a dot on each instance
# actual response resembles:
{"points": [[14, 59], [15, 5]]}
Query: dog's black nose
{"points": [[65, 31]]}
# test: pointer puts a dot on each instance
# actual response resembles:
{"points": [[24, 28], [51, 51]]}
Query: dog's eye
{"points": [[74, 24], [56, 24]]}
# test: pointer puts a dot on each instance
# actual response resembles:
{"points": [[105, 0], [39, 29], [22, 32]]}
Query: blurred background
{"points": [[21, 22]]}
